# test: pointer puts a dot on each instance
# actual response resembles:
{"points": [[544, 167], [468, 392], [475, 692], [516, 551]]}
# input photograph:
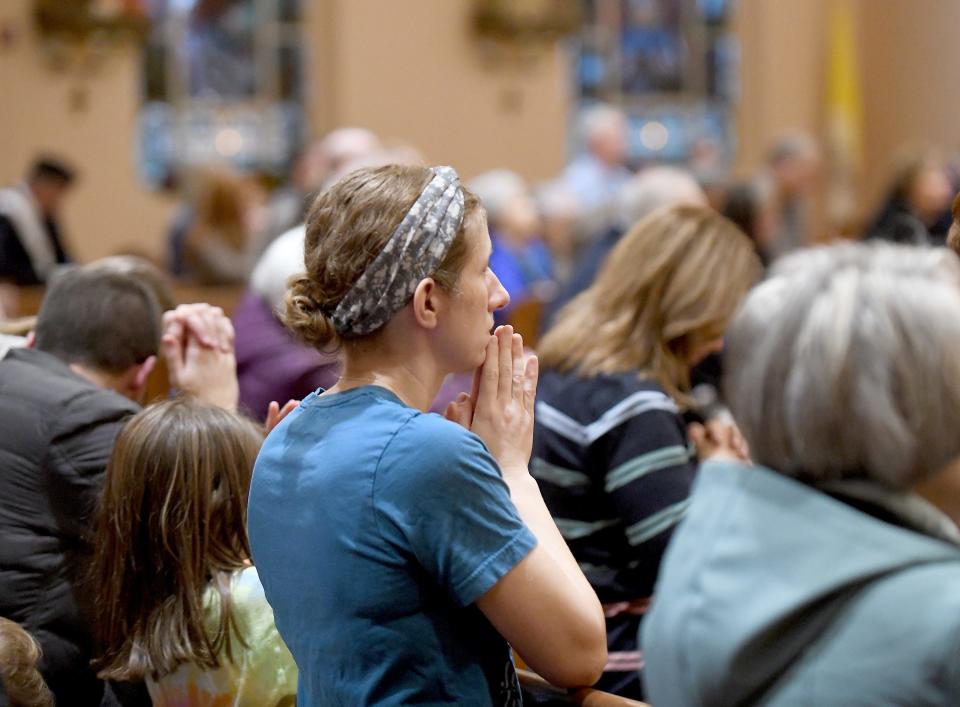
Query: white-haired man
{"points": [[598, 173]]}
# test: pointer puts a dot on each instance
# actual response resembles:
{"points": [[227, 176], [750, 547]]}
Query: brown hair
{"points": [[99, 317], [171, 523], [347, 226], [909, 163], [220, 208], [19, 653], [140, 268], [671, 284]]}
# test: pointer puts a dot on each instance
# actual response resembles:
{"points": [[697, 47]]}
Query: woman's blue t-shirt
{"points": [[375, 528]]}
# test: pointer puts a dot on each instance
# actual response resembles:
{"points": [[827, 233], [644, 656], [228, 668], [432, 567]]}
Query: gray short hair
{"points": [[792, 146], [845, 363], [653, 188], [495, 189], [599, 119]]}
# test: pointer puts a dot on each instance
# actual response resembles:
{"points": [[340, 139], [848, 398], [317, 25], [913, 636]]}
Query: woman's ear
{"points": [[427, 303]]}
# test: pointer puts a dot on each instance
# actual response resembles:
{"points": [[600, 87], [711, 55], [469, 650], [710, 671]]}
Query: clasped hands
{"points": [[499, 409], [197, 346]]}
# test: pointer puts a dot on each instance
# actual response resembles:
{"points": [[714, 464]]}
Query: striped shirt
{"points": [[615, 466]]}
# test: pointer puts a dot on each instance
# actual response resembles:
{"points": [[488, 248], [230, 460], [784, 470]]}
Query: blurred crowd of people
{"points": [[555, 501]]}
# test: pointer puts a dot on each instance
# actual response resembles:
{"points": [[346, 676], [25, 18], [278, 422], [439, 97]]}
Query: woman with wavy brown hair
{"points": [[611, 451], [179, 605]]}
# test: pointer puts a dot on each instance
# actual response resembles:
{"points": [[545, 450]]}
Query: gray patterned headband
{"points": [[415, 249]]}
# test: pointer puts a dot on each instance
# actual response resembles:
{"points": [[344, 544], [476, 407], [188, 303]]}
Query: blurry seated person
{"points": [[750, 206], [216, 246], [520, 259], [917, 210], [271, 363], [644, 193], [30, 239]]}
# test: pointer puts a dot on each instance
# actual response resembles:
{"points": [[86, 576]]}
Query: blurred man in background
{"points": [[31, 243]]}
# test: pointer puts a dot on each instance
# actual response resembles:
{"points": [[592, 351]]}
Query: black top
{"points": [[58, 433], [612, 458], [15, 265]]}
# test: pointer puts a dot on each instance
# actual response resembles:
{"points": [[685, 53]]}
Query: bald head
{"points": [[337, 148]]}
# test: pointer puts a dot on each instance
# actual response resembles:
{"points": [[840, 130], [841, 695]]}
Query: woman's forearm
{"points": [[529, 502]]}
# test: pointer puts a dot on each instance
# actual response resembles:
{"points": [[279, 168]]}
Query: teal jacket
{"points": [[773, 593]]}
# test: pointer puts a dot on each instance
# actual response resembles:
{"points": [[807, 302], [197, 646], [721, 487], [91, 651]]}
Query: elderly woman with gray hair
{"points": [[828, 573]]}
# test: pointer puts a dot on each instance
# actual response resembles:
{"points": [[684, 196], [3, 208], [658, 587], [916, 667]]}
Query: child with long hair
{"points": [[180, 606]]}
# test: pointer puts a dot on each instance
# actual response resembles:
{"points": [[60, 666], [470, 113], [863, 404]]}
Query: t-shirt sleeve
{"points": [[439, 494]]}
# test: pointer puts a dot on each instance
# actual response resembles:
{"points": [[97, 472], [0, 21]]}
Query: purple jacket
{"points": [[271, 364]]}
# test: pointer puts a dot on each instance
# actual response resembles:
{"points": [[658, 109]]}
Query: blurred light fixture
{"points": [[228, 142], [654, 136]]}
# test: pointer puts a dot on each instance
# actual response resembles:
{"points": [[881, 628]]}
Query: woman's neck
{"points": [[415, 381]]}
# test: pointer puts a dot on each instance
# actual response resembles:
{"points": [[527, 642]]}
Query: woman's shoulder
{"points": [[430, 454], [588, 398], [433, 436]]}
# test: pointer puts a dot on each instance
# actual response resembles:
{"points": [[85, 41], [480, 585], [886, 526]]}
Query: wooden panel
{"points": [[538, 691], [226, 298], [525, 318]]}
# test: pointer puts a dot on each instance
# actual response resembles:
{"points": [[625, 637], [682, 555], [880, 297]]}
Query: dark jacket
{"points": [[58, 430], [588, 266], [15, 265]]}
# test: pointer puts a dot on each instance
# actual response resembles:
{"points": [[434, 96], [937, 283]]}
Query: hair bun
{"points": [[305, 317]]}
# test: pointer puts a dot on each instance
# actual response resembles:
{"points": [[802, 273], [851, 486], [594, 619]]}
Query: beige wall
{"points": [[413, 76], [416, 76], [909, 60], [911, 86], [782, 48], [108, 211]]}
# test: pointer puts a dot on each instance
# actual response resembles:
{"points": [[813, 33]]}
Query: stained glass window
{"points": [[222, 83], [672, 65]]}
